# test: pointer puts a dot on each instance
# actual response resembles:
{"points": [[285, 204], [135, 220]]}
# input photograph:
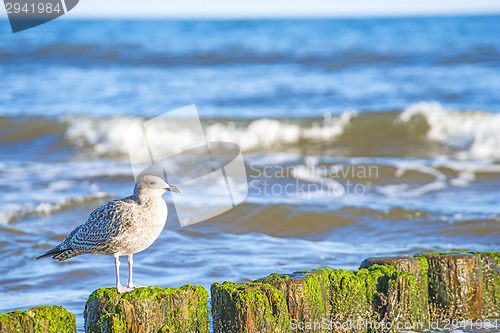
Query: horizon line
{"points": [[290, 16]]}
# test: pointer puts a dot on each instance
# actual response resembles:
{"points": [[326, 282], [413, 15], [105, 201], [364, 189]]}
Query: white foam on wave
{"points": [[444, 173], [107, 136], [271, 133], [112, 136], [37, 188], [475, 134], [486, 166], [17, 211], [471, 134]]}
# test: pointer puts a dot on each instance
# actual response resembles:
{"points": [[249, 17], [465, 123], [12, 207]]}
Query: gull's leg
{"points": [[130, 264], [119, 287]]}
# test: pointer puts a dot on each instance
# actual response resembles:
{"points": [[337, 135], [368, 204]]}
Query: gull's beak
{"points": [[173, 188]]}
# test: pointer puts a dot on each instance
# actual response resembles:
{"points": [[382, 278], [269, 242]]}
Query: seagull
{"points": [[120, 227]]}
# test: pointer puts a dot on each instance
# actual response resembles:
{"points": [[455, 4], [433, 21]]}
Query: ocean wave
{"points": [[120, 54], [47, 208], [241, 52], [38, 188], [421, 130], [382, 182], [474, 134], [106, 136]]}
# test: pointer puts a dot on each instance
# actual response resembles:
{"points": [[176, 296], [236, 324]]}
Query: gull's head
{"points": [[154, 185]]}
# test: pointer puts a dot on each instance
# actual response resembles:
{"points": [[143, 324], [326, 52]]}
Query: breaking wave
{"points": [[475, 134], [47, 208], [425, 129]]}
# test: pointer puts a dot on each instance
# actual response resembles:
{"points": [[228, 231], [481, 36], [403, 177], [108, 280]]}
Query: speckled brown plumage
{"points": [[120, 227]]}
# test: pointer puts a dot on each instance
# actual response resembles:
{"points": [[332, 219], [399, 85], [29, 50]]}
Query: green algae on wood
{"points": [[363, 300], [416, 265], [395, 295], [490, 270], [306, 294], [455, 285], [322, 300], [248, 307], [456, 291], [148, 309], [348, 297], [489, 263], [40, 319]]}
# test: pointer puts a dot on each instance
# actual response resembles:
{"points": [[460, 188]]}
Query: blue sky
{"points": [[280, 8], [276, 8]]}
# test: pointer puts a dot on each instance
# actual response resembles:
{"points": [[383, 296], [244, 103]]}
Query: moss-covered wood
{"points": [[321, 300], [417, 266], [248, 307], [149, 309], [40, 319], [455, 285], [383, 292], [349, 298], [370, 297], [490, 270], [489, 263], [466, 290], [306, 294]]}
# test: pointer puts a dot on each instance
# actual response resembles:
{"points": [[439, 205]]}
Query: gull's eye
{"points": [[152, 183]]}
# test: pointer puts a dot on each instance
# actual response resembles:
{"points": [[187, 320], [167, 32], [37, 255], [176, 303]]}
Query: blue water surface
{"points": [[249, 68]]}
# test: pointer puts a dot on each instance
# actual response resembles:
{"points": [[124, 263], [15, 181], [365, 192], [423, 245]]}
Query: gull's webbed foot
{"points": [[133, 286], [122, 289]]}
